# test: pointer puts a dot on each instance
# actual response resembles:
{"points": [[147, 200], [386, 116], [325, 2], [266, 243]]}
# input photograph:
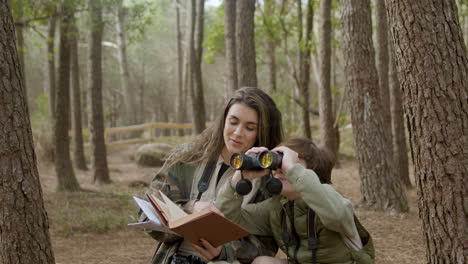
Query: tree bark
{"points": [[96, 127], [400, 151], [382, 60], [21, 46], [245, 44], [63, 165], [129, 94], [379, 189], [270, 44], [24, 227], [230, 44], [432, 67], [190, 53], [328, 130], [78, 148], [51, 62], [181, 108], [304, 63], [198, 101]]}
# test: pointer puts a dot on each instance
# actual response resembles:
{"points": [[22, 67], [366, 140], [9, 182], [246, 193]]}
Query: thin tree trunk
{"points": [[51, 62], [96, 127], [379, 189], [190, 53], [78, 149], [245, 44], [24, 228], [188, 58], [304, 64], [383, 72], [181, 112], [230, 44], [198, 102], [432, 67], [270, 44], [400, 150], [129, 98], [63, 165], [328, 130], [141, 92]]}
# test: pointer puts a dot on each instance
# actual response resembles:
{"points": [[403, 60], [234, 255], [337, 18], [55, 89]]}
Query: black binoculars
{"points": [[264, 160]]}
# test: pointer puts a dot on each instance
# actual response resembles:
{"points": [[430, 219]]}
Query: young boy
{"points": [[310, 221]]}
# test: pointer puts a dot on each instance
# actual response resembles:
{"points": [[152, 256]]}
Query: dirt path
{"points": [[397, 238]]}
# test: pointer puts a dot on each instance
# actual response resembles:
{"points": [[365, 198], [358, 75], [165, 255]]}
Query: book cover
{"points": [[207, 224]]}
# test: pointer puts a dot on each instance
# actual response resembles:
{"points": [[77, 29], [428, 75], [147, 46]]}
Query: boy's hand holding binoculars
{"points": [[290, 157]]}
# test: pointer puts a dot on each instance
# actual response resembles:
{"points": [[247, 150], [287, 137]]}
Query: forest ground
{"points": [[91, 226]]}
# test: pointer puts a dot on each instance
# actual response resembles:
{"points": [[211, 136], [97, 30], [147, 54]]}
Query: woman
{"points": [[249, 119]]}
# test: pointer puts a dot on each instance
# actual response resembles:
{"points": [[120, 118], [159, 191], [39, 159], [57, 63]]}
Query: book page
{"points": [[160, 208], [153, 222], [174, 210], [190, 217]]}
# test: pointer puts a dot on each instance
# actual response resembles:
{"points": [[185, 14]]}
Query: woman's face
{"points": [[240, 129]]}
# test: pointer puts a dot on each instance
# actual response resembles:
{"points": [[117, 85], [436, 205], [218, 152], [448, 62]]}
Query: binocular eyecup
{"points": [[264, 160]]}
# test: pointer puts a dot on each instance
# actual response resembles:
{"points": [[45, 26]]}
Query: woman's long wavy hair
{"points": [[210, 142]]}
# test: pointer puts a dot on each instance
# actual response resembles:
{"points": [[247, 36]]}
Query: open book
{"points": [[206, 224]]}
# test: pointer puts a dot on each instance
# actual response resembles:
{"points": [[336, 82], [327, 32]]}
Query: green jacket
{"points": [[334, 220], [181, 186]]}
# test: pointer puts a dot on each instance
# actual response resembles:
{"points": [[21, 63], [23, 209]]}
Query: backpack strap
{"points": [[312, 236], [204, 182], [284, 233]]}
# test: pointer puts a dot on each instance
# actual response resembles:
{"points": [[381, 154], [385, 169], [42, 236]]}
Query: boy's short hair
{"points": [[320, 160]]}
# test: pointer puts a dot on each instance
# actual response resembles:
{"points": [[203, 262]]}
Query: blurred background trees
{"points": [[92, 65]]}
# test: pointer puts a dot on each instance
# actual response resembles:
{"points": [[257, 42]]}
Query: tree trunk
{"points": [[270, 45], [304, 64], [432, 67], [129, 94], [230, 44], [245, 44], [190, 53], [96, 127], [141, 91], [181, 109], [198, 102], [328, 130], [63, 165], [24, 227], [400, 151], [21, 47], [78, 149], [383, 73], [188, 56], [380, 190], [51, 62]]}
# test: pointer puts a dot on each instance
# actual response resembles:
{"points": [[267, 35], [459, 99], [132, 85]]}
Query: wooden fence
{"points": [[116, 136]]}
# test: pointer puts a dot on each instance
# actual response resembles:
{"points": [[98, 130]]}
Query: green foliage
{"points": [[73, 216], [283, 101], [40, 118], [214, 33], [140, 15]]}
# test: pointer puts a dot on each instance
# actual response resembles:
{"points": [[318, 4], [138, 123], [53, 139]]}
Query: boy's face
{"points": [[288, 190]]}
